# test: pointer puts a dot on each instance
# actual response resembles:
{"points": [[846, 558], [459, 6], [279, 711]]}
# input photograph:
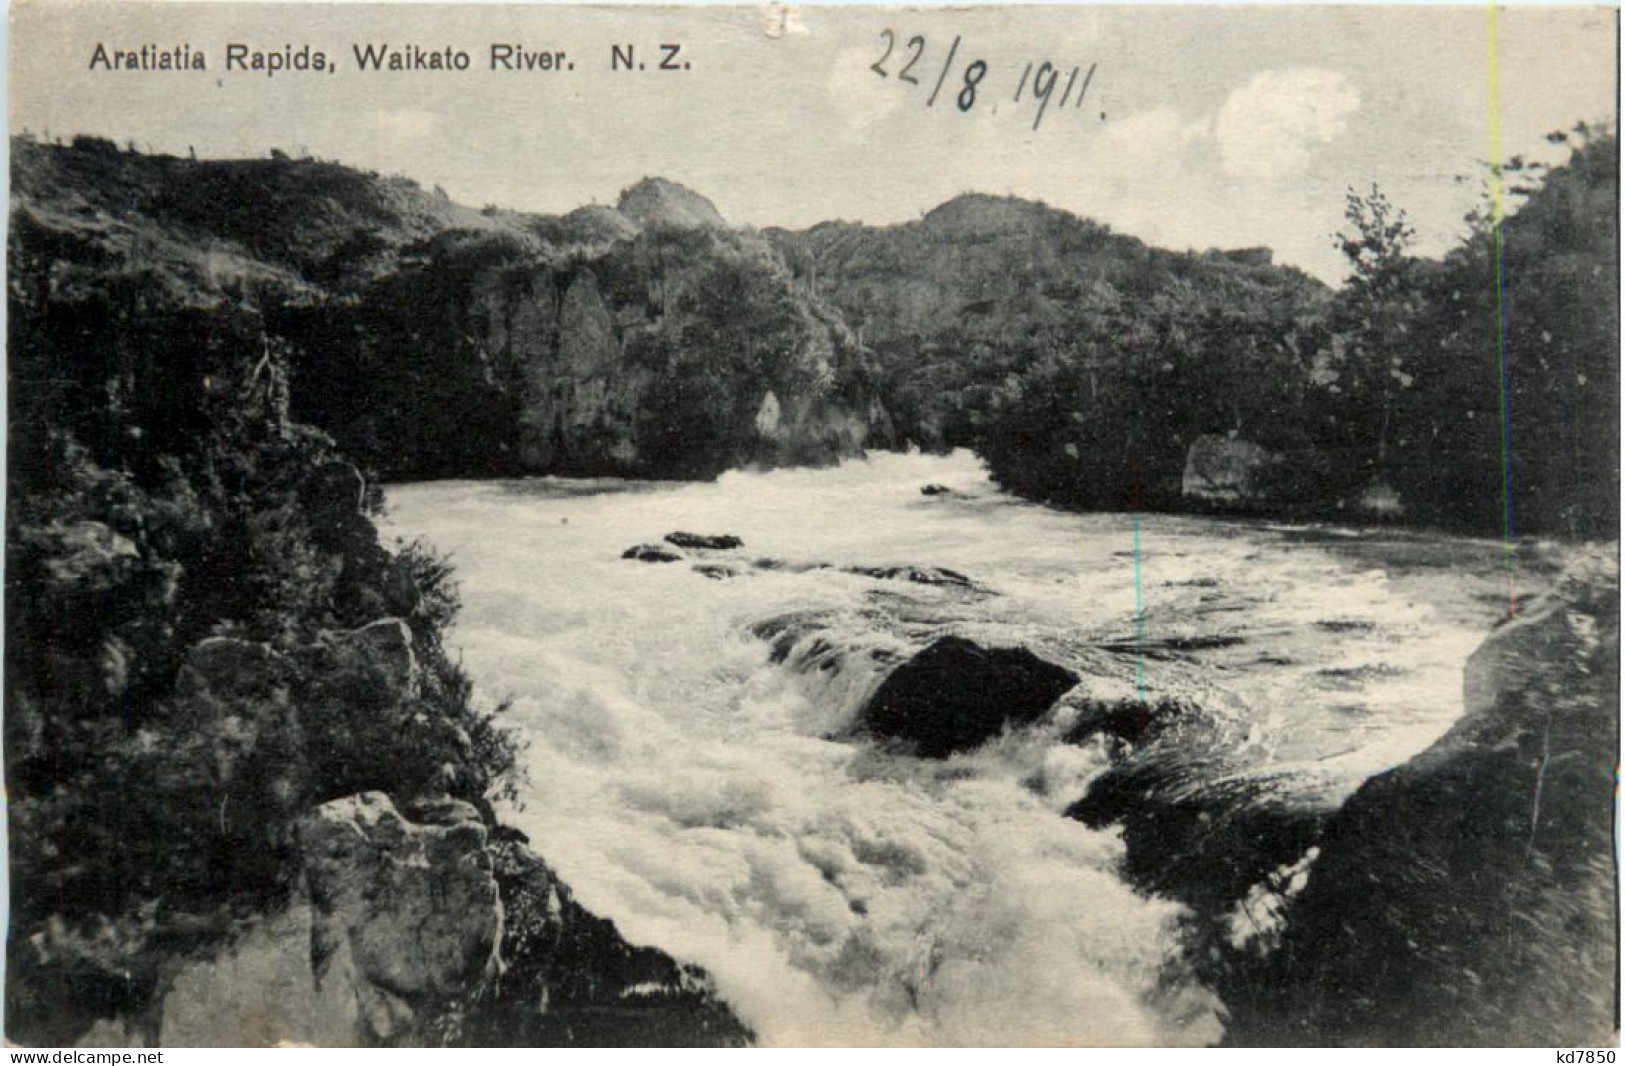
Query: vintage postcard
{"points": [[841, 526]]}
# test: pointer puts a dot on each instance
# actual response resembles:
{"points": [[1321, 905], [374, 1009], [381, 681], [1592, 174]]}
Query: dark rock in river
{"points": [[919, 575], [715, 571], [1130, 720], [570, 978], [956, 694], [719, 541], [934, 489], [1206, 845], [1467, 897], [651, 553]]}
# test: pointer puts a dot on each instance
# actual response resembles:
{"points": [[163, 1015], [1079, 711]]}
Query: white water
{"points": [[681, 781]]}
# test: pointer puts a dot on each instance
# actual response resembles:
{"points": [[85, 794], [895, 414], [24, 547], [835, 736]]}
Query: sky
{"points": [[1200, 127]]}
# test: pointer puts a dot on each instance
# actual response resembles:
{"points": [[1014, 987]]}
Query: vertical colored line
{"points": [[1498, 252], [1139, 617]]}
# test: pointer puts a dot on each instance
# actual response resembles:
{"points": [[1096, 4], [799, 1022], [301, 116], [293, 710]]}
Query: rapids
{"points": [[690, 783]]}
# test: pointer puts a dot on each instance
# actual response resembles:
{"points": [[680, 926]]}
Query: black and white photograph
{"points": [[812, 526]]}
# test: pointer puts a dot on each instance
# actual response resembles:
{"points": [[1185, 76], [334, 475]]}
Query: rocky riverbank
{"points": [[426, 926], [249, 791]]}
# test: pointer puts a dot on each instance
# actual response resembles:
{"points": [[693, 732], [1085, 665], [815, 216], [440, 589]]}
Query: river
{"points": [[696, 787]]}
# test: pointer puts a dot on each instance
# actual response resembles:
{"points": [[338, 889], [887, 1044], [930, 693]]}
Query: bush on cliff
{"points": [[204, 637]]}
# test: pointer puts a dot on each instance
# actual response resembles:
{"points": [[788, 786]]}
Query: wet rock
{"points": [[1171, 647], [1468, 895], [1345, 625], [712, 541], [1132, 720], [1205, 845], [939, 576], [570, 978], [716, 571], [651, 553], [407, 915], [783, 632], [935, 490], [956, 694]]}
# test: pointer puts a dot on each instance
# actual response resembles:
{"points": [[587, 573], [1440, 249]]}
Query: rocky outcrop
{"points": [[1477, 879], [387, 643], [407, 916], [417, 926], [660, 203], [1229, 472], [431, 340], [570, 978], [652, 553], [712, 541], [1205, 845], [956, 695], [940, 576]]}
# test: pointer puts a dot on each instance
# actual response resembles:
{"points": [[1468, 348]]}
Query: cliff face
{"points": [[421, 928], [983, 287], [1467, 896], [249, 793], [657, 357], [433, 340]]}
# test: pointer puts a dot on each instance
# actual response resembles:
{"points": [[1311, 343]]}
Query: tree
{"points": [[1376, 311]]}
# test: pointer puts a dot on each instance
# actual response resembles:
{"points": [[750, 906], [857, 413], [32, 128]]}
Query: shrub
{"points": [[204, 638]]}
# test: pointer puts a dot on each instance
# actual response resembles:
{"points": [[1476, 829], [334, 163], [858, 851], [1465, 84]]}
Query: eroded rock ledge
{"points": [[426, 926], [1477, 879]]}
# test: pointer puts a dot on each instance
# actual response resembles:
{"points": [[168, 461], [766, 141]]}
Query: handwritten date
{"points": [[1037, 85]]}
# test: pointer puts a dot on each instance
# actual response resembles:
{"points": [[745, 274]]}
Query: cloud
{"points": [[1154, 141], [1268, 128], [406, 126]]}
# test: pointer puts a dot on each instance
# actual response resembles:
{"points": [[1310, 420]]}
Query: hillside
{"points": [[986, 290], [434, 340], [202, 231], [653, 339]]}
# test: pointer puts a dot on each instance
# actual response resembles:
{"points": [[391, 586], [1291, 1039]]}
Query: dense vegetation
{"points": [[1084, 365], [434, 341], [204, 638], [490, 353], [1399, 379]]}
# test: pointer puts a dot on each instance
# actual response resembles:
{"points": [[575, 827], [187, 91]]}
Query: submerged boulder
{"points": [[939, 576], [715, 541], [651, 553], [956, 694]]}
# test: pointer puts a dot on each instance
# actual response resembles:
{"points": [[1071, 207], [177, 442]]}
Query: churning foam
{"points": [[681, 781]]}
